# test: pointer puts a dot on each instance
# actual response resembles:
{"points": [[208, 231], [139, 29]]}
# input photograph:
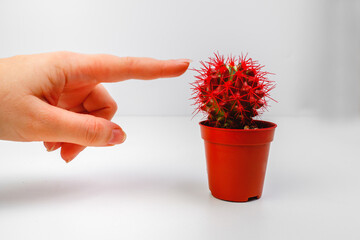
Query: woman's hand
{"points": [[57, 97]]}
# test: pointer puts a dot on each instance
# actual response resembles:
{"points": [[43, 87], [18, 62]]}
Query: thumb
{"points": [[60, 125]]}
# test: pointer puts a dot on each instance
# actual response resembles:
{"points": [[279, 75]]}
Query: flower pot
{"points": [[236, 160]]}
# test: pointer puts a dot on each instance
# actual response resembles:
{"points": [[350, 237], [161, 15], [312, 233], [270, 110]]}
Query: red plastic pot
{"points": [[236, 160]]}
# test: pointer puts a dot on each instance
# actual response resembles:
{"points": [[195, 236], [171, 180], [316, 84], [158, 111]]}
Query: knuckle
{"points": [[62, 58], [109, 110], [129, 62], [162, 70], [113, 106], [93, 129]]}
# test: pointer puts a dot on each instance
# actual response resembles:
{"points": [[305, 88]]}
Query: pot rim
{"points": [[272, 126]]}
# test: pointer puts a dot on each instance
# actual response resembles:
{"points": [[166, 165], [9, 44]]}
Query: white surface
{"points": [[154, 186], [313, 46]]}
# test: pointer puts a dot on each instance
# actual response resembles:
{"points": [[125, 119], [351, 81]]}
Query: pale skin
{"points": [[58, 97]]}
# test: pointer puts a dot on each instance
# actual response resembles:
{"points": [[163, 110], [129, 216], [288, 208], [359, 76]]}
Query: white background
{"points": [[154, 185], [311, 45]]}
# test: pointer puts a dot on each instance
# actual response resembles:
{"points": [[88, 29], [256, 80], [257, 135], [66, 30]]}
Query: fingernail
{"points": [[52, 148], [67, 160], [184, 60], [70, 159], [118, 136]]}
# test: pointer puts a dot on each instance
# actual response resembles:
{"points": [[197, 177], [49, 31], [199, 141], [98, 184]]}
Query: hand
{"points": [[57, 97]]}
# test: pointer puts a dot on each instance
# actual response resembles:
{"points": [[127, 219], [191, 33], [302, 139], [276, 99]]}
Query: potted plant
{"points": [[231, 92]]}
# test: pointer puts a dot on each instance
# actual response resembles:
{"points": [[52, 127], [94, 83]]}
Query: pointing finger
{"points": [[108, 68]]}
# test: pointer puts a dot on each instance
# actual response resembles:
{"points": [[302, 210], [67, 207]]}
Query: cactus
{"points": [[231, 92]]}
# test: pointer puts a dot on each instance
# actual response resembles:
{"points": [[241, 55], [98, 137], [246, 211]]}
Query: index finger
{"points": [[110, 68]]}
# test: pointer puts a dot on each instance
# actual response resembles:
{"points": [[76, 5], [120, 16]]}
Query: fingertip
{"points": [[185, 60], [52, 146], [181, 66], [118, 136], [70, 151], [66, 157], [48, 146]]}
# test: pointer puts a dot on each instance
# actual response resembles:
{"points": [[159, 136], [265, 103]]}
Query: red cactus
{"points": [[231, 92]]}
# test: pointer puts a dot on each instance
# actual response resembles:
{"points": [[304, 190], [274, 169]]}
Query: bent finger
{"points": [[99, 103], [69, 151], [53, 124]]}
